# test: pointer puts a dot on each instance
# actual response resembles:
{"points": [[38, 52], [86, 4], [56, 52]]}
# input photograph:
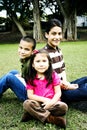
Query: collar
{"points": [[24, 60], [49, 47]]}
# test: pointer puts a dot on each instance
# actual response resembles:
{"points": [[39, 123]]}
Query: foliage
{"points": [[11, 110], [70, 5], [18, 12], [21, 12], [80, 6], [14, 7], [2, 20]]}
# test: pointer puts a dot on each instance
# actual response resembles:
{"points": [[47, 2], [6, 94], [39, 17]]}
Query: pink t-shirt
{"points": [[41, 90]]}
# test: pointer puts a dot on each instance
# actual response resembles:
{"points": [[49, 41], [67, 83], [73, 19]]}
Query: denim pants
{"points": [[11, 81], [79, 94]]}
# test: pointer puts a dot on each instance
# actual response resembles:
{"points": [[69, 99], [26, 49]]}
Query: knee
{"points": [[14, 72], [9, 76], [64, 106], [26, 104]]}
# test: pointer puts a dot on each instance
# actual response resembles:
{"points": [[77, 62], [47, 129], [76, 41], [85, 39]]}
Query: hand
{"points": [[73, 86], [68, 86], [64, 85], [46, 105]]}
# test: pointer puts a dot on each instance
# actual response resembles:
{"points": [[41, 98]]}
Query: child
{"points": [[43, 90], [13, 79], [76, 90]]}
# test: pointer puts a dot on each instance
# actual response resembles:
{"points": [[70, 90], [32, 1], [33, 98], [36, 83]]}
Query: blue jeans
{"points": [[11, 81], [79, 94]]}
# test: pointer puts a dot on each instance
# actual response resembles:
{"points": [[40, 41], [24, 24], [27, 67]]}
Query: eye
{"points": [[20, 47], [54, 33], [60, 33], [44, 60], [38, 61], [27, 49]]}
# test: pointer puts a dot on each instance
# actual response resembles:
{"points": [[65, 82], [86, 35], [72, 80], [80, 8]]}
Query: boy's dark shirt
{"points": [[24, 66]]}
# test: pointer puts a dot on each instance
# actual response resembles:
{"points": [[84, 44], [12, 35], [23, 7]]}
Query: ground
{"points": [[9, 37]]}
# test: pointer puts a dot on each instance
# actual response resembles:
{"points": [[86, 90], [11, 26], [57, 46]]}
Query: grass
{"points": [[11, 110]]}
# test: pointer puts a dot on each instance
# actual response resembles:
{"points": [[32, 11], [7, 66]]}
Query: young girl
{"points": [[43, 90]]}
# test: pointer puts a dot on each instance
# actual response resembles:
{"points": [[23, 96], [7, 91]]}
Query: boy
{"points": [[76, 90], [13, 79]]}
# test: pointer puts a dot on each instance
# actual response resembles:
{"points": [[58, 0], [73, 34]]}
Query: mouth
{"points": [[56, 41], [22, 56], [41, 68]]}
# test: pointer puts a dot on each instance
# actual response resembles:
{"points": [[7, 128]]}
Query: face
{"points": [[25, 49], [40, 63], [54, 36]]}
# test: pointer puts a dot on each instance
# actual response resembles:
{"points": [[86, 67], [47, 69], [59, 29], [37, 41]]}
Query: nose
{"points": [[57, 36], [41, 63], [22, 51]]}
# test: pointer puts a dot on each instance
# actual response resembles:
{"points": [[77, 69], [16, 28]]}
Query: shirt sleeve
{"points": [[55, 78], [28, 86]]}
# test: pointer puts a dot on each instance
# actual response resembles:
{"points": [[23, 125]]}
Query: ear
{"points": [[33, 65], [46, 35]]}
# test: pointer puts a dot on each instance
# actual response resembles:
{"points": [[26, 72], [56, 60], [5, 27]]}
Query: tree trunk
{"points": [[69, 25], [69, 29], [64, 29], [37, 32], [74, 27], [19, 27], [14, 28]]}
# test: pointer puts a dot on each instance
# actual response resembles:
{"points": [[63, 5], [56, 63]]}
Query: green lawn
{"points": [[75, 55]]}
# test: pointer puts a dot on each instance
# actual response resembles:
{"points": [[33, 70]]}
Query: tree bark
{"points": [[19, 27], [69, 25], [74, 27], [69, 29], [37, 32]]}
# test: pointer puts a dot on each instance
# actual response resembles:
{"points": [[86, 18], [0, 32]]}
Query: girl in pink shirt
{"points": [[43, 90]]}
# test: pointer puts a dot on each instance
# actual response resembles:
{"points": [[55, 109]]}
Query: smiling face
{"points": [[25, 49], [40, 63], [54, 36]]}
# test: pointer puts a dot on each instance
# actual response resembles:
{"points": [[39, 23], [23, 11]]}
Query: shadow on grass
{"points": [[81, 106], [11, 111]]}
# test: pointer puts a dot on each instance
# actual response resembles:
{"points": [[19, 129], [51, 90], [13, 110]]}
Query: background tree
{"points": [[14, 8], [37, 32], [65, 10], [70, 9]]}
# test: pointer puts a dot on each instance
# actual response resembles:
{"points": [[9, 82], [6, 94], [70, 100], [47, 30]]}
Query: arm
{"points": [[63, 75], [66, 85], [36, 97], [56, 97]]}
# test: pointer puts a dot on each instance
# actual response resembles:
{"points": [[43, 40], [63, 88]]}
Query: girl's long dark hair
{"points": [[31, 75]]}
